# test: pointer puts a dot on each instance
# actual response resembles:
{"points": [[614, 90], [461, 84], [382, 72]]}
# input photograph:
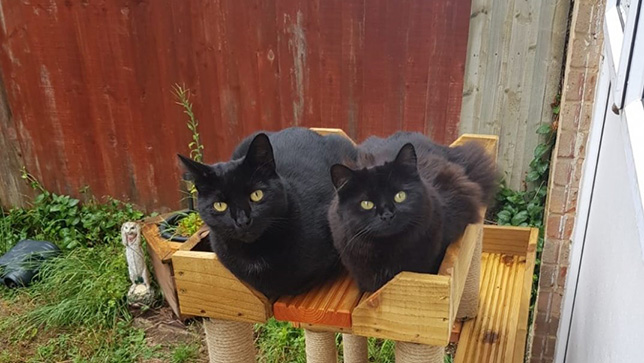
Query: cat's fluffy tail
{"points": [[479, 167]]}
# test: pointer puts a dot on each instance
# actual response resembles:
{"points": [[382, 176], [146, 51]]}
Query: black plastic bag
{"points": [[19, 266]]}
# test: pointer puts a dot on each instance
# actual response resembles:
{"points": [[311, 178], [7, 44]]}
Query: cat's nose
{"points": [[387, 216], [242, 221]]}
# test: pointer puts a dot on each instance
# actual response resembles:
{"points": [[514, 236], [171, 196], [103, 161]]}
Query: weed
{"points": [[64, 220], [183, 353], [182, 96], [84, 287], [526, 208], [279, 342], [189, 225], [380, 350]]}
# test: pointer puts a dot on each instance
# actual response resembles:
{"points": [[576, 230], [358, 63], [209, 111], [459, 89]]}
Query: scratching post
{"points": [[469, 304], [320, 347], [229, 341], [355, 348], [419, 353]]}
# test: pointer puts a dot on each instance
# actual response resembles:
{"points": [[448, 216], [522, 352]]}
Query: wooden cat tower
{"points": [[480, 299]]}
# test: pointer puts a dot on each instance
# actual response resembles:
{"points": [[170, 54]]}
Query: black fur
{"points": [[280, 245], [412, 235]]}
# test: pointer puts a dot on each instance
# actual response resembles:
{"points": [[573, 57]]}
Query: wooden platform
{"points": [[498, 333]]}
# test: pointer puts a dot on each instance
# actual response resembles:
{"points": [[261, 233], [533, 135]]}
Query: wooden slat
{"points": [[330, 304], [526, 286], [160, 246], [206, 288], [412, 307], [163, 275], [498, 333], [202, 233], [508, 88], [489, 142], [506, 239], [331, 131], [456, 263]]}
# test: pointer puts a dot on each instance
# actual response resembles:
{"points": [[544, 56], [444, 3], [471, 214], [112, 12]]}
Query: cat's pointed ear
{"points": [[407, 157], [260, 153], [340, 175], [200, 173]]}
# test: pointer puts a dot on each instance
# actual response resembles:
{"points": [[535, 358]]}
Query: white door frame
{"points": [[623, 63]]}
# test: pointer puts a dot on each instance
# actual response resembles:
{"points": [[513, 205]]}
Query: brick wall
{"points": [[577, 99]]}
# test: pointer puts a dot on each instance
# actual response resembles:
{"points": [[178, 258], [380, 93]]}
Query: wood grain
{"points": [[206, 288], [412, 307], [506, 239], [329, 304], [499, 331], [489, 142], [163, 274], [160, 246]]}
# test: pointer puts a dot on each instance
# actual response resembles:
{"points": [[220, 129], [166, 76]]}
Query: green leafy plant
{"points": [[189, 225], [64, 220], [526, 208], [182, 96]]}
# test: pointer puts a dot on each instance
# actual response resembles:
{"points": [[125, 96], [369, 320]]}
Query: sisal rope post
{"points": [[229, 341], [468, 307], [355, 348], [419, 353], [320, 347]]}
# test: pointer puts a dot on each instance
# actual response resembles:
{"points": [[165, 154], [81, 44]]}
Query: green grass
{"points": [[85, 287], [76, 309], [279, 342], [184, 353]]}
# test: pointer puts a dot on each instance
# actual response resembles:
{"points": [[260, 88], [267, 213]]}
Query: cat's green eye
{"points": [[366, 205], [257, 195], [400, 197], [220, 206]]}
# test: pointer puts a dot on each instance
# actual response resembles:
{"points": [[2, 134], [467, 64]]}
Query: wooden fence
{"points": [[88, 83], [513, 70]]}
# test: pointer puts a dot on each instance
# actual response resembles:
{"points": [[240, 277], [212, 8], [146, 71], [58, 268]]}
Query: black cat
{"points": [[404, 202], [266, 208]]}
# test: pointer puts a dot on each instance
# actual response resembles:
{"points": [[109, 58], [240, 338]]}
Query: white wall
{"points": [[608, 312]]}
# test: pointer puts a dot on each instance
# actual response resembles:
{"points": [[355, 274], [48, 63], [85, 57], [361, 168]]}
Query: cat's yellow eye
{"points": [[400, 197], [366, 205], [257, 195], [220, 206]]}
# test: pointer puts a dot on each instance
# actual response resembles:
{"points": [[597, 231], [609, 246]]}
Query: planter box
{"points": [[160, 251]]}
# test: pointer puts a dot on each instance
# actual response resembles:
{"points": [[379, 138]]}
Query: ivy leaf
{"points": [[519, 218], [533, 175], [544, 129], [542, 167], [504, 217], [540, 150]]}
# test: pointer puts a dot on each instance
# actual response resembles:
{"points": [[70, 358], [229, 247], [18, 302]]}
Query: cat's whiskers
{"points": [[362, 232]]}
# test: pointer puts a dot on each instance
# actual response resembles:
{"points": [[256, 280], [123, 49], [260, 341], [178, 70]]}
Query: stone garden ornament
{"points": [[140, 293]]}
